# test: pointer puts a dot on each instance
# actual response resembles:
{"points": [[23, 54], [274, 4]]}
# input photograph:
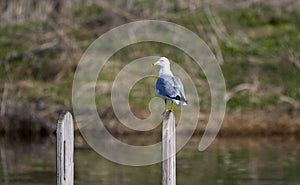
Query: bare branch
{"points": [[289, 100], [217, 49], [122, 12], [292, 58], [50, 46], [4, 99], [241, 87], [216, 23]]}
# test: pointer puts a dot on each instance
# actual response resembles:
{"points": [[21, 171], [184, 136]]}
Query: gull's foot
{"points": [[167, 111], [172, 109]]}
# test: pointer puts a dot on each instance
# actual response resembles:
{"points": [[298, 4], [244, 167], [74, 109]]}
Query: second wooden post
{"points": [[65, 150]]}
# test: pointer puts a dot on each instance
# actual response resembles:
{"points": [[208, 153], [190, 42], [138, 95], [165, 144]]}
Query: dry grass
{"points": [[260, 123]]}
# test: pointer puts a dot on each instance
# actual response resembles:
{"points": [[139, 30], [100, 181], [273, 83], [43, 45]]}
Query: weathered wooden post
{"points": [[168, 149], [65, 150]]}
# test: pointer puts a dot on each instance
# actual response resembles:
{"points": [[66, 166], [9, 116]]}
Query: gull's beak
{"points": [[155, 63]]}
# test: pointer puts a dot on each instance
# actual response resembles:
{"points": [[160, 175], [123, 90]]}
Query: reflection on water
{"points": [[29, 163], [228, 161]]}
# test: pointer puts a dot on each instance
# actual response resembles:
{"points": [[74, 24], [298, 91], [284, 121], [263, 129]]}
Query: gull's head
{"points": [[162, 62]]}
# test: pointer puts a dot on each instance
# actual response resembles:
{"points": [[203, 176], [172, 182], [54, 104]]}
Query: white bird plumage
{"points": [[168, 86]]}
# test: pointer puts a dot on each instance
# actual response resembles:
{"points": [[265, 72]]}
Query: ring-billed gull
{"points": [[168, 86]]}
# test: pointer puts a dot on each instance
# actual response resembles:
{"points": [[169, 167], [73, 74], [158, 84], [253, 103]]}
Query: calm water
{"points": [[228, 161]]}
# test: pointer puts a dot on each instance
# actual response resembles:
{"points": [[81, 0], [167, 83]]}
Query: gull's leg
{"points": [[172, 107], [166, 105]]}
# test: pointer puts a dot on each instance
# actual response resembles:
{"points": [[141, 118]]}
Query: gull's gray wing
{"points": [[171, 87], [165, 87], [178, 84]]}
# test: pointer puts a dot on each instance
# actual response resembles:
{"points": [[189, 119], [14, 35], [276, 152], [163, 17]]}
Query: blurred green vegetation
{"points": [[259, 44]]}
